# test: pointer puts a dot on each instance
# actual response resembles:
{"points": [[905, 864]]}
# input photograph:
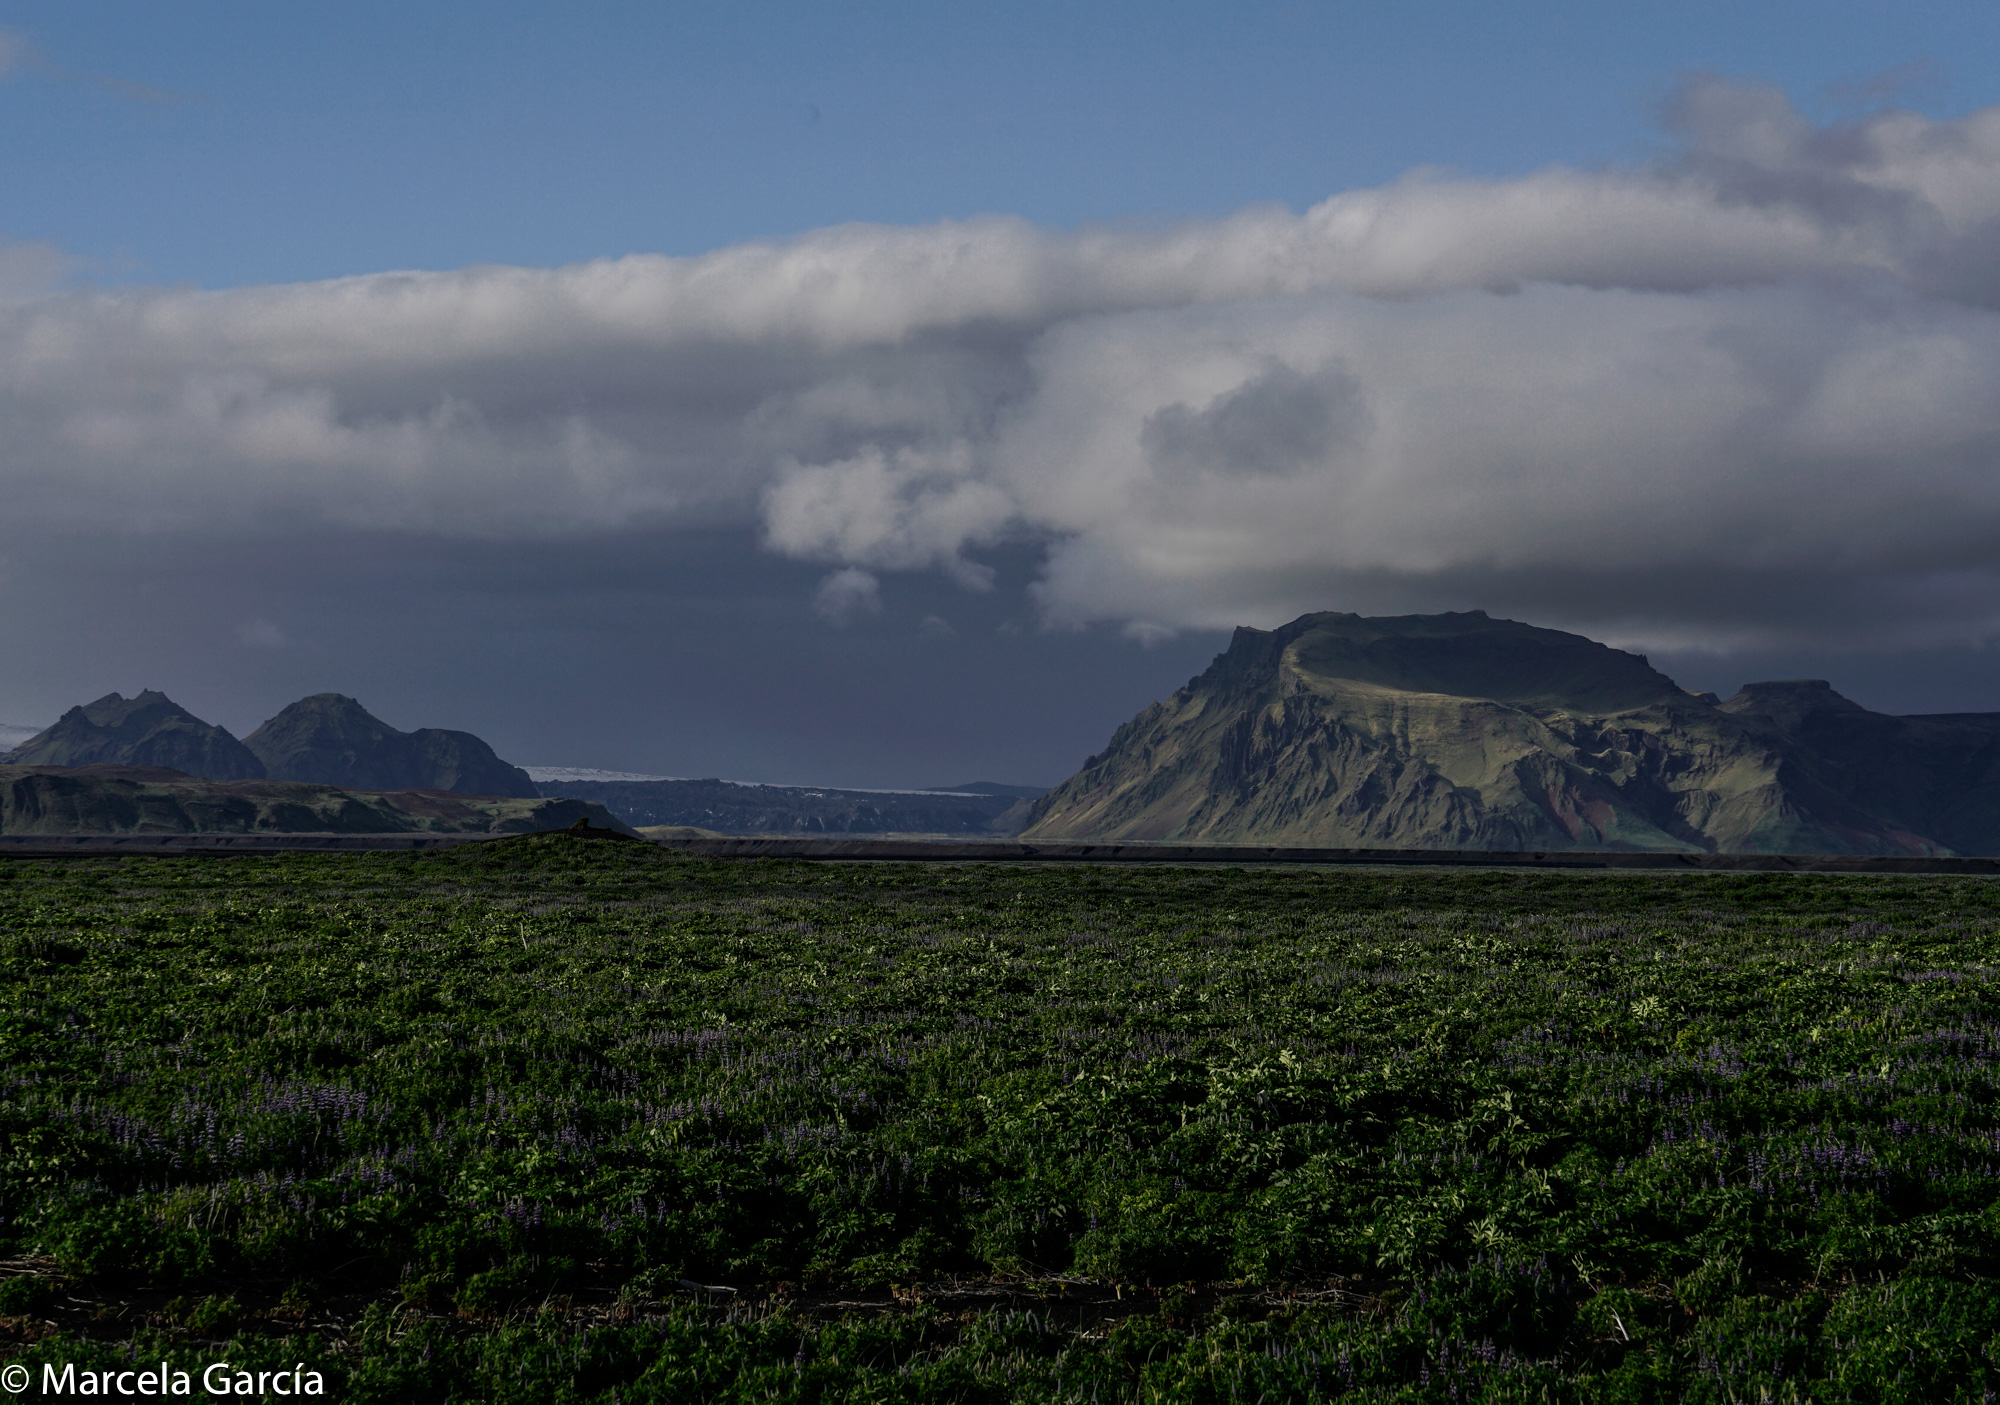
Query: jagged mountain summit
{"points": [[149, 730], [334, 740], [1458, 731], [326, 739]]}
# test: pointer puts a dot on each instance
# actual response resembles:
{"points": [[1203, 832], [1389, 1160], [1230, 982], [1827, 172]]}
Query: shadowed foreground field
{"points": [[553, 1120]]}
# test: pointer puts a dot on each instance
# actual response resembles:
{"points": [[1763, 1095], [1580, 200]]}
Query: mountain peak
{"points": [[114, 708], [1465, 654], [320, 712], [150, 729], [1789, 702], [333, 739]]}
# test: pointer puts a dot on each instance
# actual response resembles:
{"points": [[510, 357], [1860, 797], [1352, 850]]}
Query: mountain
{"points": [[334, 740], [1459, 731], [149, 730], [1939, 775], [102, 799], [326, 739], [731, 807]]}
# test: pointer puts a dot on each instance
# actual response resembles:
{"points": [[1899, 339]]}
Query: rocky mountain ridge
{"points": [[1459, 731], [325, 739], [331, 738], [148, 730]]}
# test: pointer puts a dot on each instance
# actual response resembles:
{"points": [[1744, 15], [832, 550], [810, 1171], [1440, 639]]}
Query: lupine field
{"points": [[556, 1120]]}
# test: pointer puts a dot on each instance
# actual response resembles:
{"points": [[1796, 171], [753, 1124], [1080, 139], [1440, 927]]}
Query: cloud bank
{"points": [[1744, 394]]}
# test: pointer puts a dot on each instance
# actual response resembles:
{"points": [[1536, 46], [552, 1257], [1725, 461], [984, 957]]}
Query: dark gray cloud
{"points": [[1739, 399], [1283, 421], [675, 653]]}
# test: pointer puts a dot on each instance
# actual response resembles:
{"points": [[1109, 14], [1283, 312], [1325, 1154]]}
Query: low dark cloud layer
{"points": [[1742, 399], [647, 651]]}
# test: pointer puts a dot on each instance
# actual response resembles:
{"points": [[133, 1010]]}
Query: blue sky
{"points": [[903, 394], [292, 142]]}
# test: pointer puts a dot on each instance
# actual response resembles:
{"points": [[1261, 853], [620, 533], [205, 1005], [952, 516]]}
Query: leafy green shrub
{"points": [[25, 1294], [1144, 1251], [1914, 1340], [40, 946], [213, 1316], [498, 1291], [1529, 1305], [126, 1238]]}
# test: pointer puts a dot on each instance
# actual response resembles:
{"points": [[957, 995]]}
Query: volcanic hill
{"points": [[1458, 731], [332, 739], [326, 739], [149, 730]]}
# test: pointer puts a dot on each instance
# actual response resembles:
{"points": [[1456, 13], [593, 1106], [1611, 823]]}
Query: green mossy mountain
{"points": [[1458, 731], [154, 800], [333, 739], [149, 730]]}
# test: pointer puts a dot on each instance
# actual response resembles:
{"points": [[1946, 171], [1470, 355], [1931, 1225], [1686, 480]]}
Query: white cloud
{"points": [[1608, 434], [899, 511], [1744, 393], [846, 593]]}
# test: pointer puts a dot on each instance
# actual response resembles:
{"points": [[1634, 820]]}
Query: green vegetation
{"points": [[501, 1123]]}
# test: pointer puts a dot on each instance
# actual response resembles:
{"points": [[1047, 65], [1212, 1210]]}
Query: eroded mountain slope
{"points": [[148, 730], [1462, 732], [333, 739]]}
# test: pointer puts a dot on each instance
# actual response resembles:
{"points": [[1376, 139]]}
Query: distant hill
{"points": [[101, 799], [543, 775], [149, 730], [1937, 774], [729, 807], [1458, 731], [326, 739], [333, 739]]}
